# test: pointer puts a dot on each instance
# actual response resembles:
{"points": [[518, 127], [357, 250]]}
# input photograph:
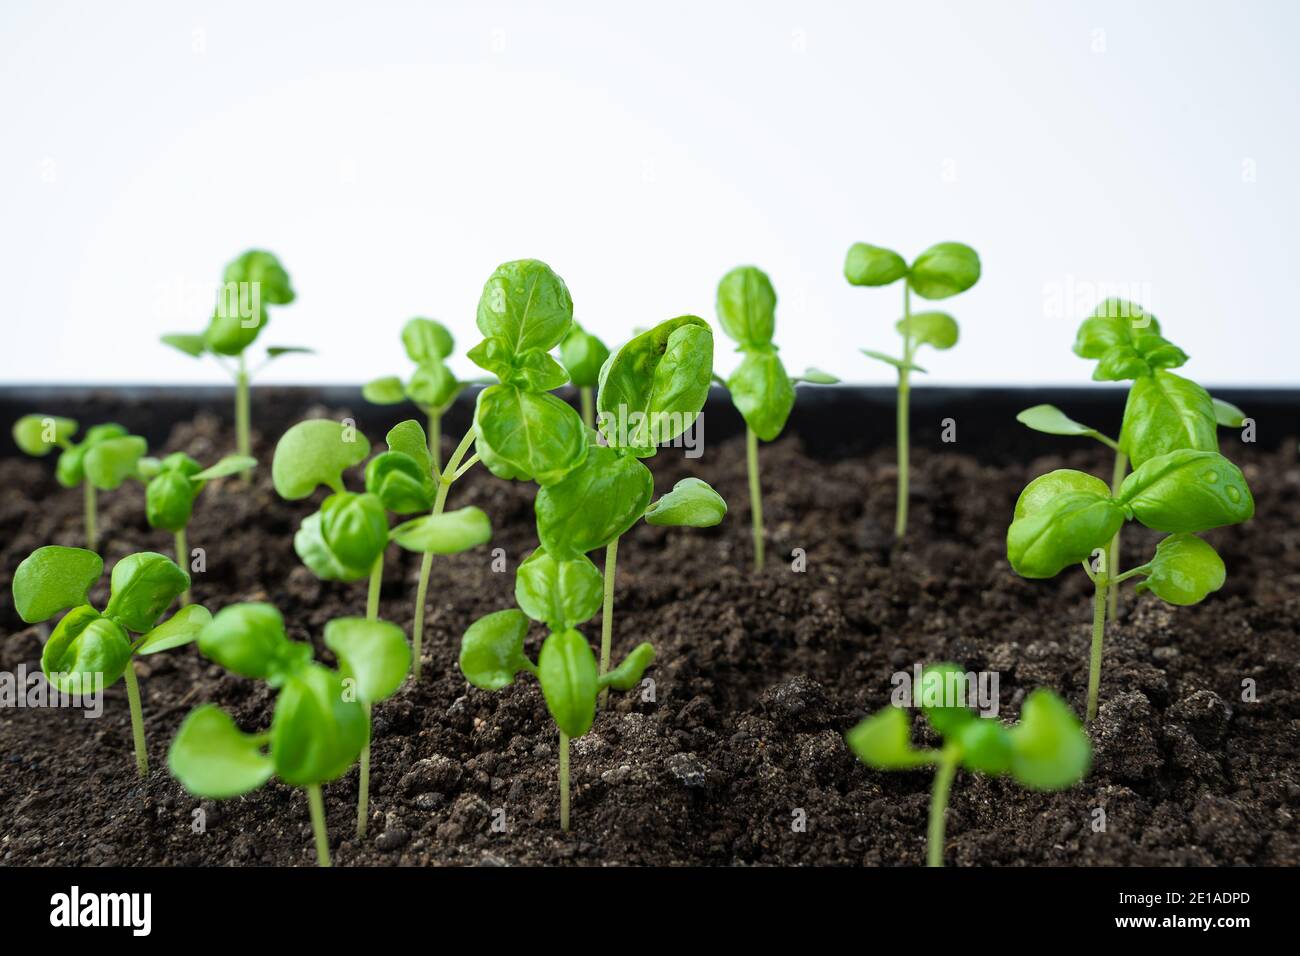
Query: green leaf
{"points": [[315, 452], [596, 503], [762, 392], [169, 500], [559, 593], [1060, 519], [985, 746], [936, 329], [652, 389], [1187, 490], [1166, 412], [1184, 570], [213, 758], [85, 646], [38, 435], [52, 579], [143, 585], [890, 360], [400, 482], [448, 533], [275, 351], [747, 306], [1052, 421], [318, 730], [691, 504], [494, 355], [109, 463], [180, 629], [528, 435], [492, 649], [536, 371], [309, 544], [230, 465], [944, 270], [264, 269], [68, 470], [872, 265], [408, 437], [354, 528], [884, 741], [1227, 414], [943, 698], [433, 386], [583, 355], [183, 464], [426, 341], [191, 345], [1126, 342], [815, 376], [384, 391], [1049, 749], [628, 674], [249, 640], [232, 334], [373, 653], [566, 669], [526, 305]]}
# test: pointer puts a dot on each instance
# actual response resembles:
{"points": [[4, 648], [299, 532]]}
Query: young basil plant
{"points": [[583, 355], [760, 388], [107, 456], [432, 387], [560, 593], [174, 484], [942, 271], [1046, 750], [321, 722], [1164, 411], [253, 281], [1067, 516], [89, 650], [651, 391]]}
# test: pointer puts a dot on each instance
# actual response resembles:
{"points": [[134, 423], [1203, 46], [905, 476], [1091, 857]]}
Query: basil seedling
{"points": [[105, 458], [433, 386], [252, 281], [651, 391], [942, 271], [760, 388], [1164, 411], [174, 484], [321, 722], [1067, 516], [346, 539], [89, 650], [560, 592], [1047, 750], [583, 355]]}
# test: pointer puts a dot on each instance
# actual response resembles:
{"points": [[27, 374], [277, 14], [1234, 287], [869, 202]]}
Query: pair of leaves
{"points": [[106, 456], [177, 480], [941, 271], [492, 653], [760, 387], [252, 281], [320, 722], [86, 642], [433, 386], [38, 435], [1125, 341], [1046, 750]]}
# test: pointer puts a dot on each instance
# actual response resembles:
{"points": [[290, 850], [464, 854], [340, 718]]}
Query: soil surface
{"points": [[739, 757]]}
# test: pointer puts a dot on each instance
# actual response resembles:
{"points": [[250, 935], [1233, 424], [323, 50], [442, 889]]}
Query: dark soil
{"points": [[756, 680]]}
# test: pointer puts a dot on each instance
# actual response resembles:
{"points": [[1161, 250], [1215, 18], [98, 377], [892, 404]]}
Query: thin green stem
{"points": [[904, 399], [92, 534], [755, 495], [943, 777], [1098, 632], [607, 614], [1112, 552], [372, 614], [588, 406], [317, 806], [421, 594], [183, 559], [372, 592], [564, 781], [137, 718], [435, 439], [242, 426]]}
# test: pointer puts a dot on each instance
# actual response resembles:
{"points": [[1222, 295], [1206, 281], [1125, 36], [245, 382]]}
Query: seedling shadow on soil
{"points": [[740, 756]]}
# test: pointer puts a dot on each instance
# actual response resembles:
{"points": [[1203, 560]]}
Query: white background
{"points": [[393, 154]]}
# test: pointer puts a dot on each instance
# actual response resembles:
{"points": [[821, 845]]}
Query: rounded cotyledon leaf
{"points": [[387, 390], [213, 758], [426, 341], [318, 728], [38, 435], [884, 741], [492, 649], [373, 653], [315, 452], [86, 652], [1059, 520], [1049, 749], [448, 533], [868, 265], [691, 504], [936, 329], [583, 355], [944, 270], [143, 585], [566, 668], [559, 593], [746, 306], [109, 463], [1184, 570], [763, 392], [52, 579]]}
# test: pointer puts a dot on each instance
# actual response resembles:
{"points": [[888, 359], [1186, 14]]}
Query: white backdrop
{"points": [[392, 154]]}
